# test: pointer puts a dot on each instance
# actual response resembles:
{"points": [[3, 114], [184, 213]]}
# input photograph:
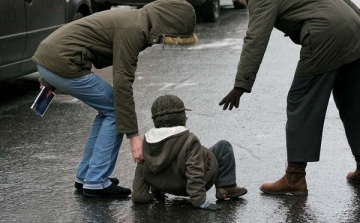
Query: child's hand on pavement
{"points": [[209, 206]]}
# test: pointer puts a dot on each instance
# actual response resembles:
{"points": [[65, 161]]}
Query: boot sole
{"points": [[106, 193], [353, 181], [292, 193]]}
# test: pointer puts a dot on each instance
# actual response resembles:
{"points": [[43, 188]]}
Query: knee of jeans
{"points": [[225, 143], [222, 147]]}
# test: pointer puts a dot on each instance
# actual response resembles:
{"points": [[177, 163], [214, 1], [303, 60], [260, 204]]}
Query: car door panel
{"points": [[25, 23], [42, 18], [12, 35]]}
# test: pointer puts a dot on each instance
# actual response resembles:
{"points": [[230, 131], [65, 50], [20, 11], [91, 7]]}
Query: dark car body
{"points": [[25, 23], [209, 10], [143, 2]]}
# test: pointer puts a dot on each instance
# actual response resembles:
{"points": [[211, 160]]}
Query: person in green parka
{"points": [[329, 33], [113, 37]]}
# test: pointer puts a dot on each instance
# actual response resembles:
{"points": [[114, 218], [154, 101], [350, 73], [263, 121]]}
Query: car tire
{"points": [[78, 15], [210, 10], [98, 7], [239, 4]]}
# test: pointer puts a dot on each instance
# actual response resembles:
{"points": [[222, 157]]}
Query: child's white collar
{"points": [[155, 135]]}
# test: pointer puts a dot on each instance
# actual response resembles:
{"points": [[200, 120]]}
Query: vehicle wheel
{"points": [[98, 7], [211, 10], [239, 4], [78, 15]]}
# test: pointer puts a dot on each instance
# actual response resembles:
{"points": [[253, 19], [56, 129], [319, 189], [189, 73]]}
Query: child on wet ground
{"points": [[175, 162]]}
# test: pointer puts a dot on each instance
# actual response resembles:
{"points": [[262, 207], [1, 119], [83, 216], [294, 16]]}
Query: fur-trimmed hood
{"points": [[171, 22], [155, 135]]}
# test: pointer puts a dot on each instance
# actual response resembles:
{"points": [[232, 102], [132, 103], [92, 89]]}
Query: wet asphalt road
{"points": [[39, 155]]}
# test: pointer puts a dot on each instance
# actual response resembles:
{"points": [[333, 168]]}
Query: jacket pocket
{"points": [[306, 49], [83, 58], [305, 41]]}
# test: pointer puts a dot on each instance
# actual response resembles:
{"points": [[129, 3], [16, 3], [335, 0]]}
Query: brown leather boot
{"points": [[354, 177], [227, 192], [292, 183]]}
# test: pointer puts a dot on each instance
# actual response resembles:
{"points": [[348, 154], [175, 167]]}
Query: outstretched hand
{"points": [[232, 99]]}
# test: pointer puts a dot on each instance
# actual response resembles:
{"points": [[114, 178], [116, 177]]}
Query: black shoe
{"points": [[79, 186], [111, 191]]}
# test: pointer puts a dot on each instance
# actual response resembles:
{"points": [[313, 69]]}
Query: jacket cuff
{"points": [[243, 85], [130, 135]]}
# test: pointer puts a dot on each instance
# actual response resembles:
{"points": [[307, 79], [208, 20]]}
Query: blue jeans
{"points": [[103, 144], [225, 158]]}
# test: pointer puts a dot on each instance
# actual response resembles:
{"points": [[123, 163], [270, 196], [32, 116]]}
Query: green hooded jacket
{"points": [[175, 162], [327, 30], [114, 37]]}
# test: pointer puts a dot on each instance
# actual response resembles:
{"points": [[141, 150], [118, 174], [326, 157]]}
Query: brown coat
{"points": [[178, 165], [114, 37]]}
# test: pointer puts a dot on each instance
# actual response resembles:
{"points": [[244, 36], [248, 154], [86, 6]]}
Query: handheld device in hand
{"points": [[42, 101]]}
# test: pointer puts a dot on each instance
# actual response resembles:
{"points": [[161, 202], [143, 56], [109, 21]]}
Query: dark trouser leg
{"points": [[224, 154], [347, 98], [307, 103]]}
